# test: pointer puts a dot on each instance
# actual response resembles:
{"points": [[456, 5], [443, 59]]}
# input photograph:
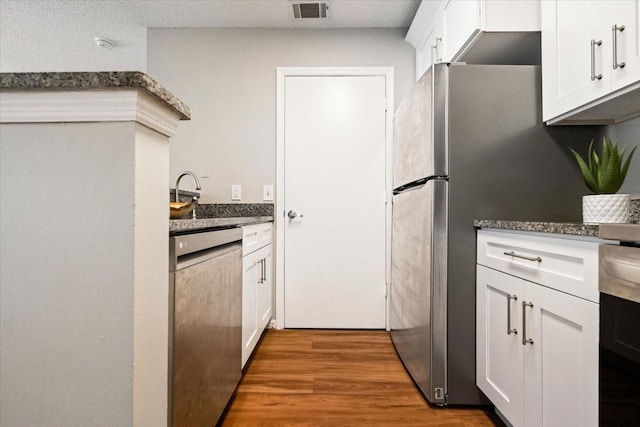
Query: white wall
{"points": [[83, 275], [66, 274], [228, 78], [58, 36]]}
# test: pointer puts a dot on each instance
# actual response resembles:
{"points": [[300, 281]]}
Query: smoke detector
{"points": [[310, 10], [104, 43]]}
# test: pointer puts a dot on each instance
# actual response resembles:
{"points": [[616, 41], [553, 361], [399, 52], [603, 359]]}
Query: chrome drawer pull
{"points": [[264, 270], [528, 258], [525, 341], [509, 330], [615, 30], [594, 43]]}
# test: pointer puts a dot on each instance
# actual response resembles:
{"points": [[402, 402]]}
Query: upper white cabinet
{"points": [[425, 34], [590, 60], [453, 30]]}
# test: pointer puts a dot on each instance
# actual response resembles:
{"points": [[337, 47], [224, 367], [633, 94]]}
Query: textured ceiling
{"points": [[58, 35], [211, 13]]}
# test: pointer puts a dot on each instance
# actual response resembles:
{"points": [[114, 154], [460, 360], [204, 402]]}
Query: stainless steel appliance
{"points": [[205, 339], [469, 144], [619, 326]]}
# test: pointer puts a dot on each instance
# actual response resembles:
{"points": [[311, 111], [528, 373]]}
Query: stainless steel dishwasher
{"points": [[205, 325]]}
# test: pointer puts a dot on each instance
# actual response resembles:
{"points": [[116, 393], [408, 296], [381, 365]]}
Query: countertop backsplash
{"points": [[634, 211], [577, 228], [233, 210], [185, 195]]}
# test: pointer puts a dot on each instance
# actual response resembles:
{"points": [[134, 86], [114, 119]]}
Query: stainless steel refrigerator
{"points": [[469, 143]]}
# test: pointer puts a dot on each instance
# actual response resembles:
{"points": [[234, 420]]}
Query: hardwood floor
{"points": [[336, 378]]}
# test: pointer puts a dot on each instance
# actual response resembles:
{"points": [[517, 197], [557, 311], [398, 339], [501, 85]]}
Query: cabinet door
{"points": [[265, 288], [498, 338], [430, 50], [567, 30], [461, 20], [625, 13], [561, 365], [250, 276]]}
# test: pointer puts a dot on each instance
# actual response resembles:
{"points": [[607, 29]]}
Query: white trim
{"points": [[87, 106], [281, 74], [575, 116]]}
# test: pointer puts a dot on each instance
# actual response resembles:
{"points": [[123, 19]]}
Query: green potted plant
{"points": [[604, 174]]}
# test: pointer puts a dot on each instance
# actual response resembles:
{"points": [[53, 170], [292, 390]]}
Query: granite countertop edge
{"points": [[88, 80], [575, 229], [184, 225]]}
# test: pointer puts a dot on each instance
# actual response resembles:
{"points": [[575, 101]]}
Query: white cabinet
{"points": [[584, 47], [257, 285], [429, 51], [461, 21], [264, 296], [448, 30], [499, 350], [537, 347]]}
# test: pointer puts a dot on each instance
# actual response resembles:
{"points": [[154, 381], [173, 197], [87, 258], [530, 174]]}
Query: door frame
{"points": [[279, 214]]}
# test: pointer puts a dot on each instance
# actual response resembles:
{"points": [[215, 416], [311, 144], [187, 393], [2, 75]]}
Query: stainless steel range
{"points": [[620, 325]]}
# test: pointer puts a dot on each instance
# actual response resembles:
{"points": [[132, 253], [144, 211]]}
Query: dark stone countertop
{"points": [[574, 229], [183, 226], [92, 81]]}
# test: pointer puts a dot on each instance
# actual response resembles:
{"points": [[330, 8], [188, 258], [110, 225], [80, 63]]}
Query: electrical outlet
{"points": [[236, 192], [267, 192]]}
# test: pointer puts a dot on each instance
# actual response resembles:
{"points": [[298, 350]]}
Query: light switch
{"points": [[267, 192], [236, 192]]}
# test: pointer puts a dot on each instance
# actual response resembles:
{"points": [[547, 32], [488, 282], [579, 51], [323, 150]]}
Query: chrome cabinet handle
{"points": [[264, 270], [528, 258], [509, 330], [438, 40], [525, 341], [594, 43], [261, 280], [614, 31]]}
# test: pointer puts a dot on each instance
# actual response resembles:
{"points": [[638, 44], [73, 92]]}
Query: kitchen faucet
{"points": [[193, 175]]}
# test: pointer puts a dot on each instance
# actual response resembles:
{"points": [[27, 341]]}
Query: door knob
{"points": [[293, 214]]}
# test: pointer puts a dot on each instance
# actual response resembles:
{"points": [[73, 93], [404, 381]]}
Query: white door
{"points": [[334, 179]]}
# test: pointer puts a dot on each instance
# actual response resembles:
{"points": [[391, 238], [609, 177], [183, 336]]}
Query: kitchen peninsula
{"points": [[84, 311]]}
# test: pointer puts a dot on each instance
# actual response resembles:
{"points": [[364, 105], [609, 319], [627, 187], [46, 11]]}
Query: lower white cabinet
{"points": [[537, 347], [257, 286]]}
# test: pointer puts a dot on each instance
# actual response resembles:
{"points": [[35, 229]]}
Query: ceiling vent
{"points": [[310, 10]]}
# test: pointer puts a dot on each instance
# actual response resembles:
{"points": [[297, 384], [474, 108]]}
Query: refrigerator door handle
{"points": [[418, 183]]}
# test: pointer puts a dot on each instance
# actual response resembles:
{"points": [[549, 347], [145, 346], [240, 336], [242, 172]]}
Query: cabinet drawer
{"points": [[568, 265], [255, 237]]}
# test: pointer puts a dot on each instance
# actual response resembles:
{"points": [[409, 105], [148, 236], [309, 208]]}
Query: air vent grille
{"points": [[310, 10]]}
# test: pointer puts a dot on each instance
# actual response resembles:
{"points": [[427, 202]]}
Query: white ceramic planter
{"points": [[605, 208]]}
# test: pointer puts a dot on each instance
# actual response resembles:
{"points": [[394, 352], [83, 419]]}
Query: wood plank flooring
{"points": [[336, 378]]}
